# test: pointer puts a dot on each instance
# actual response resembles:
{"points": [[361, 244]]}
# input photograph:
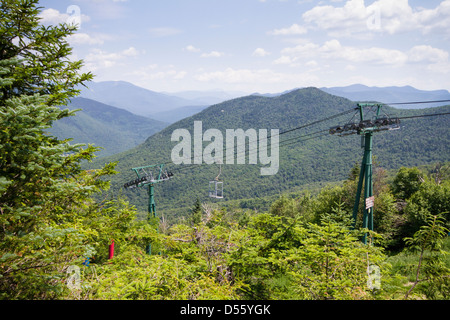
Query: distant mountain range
{"points": [[135, 99], [155, 105], [171, 107], [389, 95], [177, 114]]}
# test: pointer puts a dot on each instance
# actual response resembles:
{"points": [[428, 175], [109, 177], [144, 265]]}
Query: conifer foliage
{"points": [[43, 191]]}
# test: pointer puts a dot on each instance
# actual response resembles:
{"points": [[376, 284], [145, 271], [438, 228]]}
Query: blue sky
{"points": [[260, 45]]}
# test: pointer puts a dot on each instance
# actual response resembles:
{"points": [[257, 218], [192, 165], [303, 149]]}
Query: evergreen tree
{"points": [[196, 213], [45, 200], [44, 53]]}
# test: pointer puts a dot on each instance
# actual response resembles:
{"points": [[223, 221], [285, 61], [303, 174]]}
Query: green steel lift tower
{"points": [[365, 127], [149, 176]]}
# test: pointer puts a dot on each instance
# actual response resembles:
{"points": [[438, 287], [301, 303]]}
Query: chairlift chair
{"points": [[216, 186], [216, 189]]}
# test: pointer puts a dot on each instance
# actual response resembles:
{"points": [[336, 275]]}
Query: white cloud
{"points": [[424, 53], [99, 59], [333, 51], [180, 75], [350, 67], [351, 16], [437, 19], [130, 52], [161, 75], [295, 29], [191, 48], [53, 16], [439, 68], [260, 52], [432, 59], [231, 75], [312, 63], [154, 72], [285, 60], [387, 16], [260, 76], [386, 40], [84, 38], [213, 54], [302, 50]]}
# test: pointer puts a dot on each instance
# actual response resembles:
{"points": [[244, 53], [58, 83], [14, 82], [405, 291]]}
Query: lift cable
{"points": [[415, 102], [318, 121], [281, 144], [425, 115], [282, 133], [323, 133], [300, 138], [314, 134]]}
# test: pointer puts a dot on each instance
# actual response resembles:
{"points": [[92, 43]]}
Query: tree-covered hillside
{"points": [[313, 160], [113, 129]]}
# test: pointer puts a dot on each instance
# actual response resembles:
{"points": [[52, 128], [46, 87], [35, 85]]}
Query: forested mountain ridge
{"points": [[113, 129], [314, 161], [358, 92], [171, 107]]}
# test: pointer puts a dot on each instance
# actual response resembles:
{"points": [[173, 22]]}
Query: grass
{"points": [[403, 259], [404, 268]]}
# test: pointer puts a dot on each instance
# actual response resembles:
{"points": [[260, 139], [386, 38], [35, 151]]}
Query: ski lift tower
{"points": [[366, 127], [149, 176]]}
